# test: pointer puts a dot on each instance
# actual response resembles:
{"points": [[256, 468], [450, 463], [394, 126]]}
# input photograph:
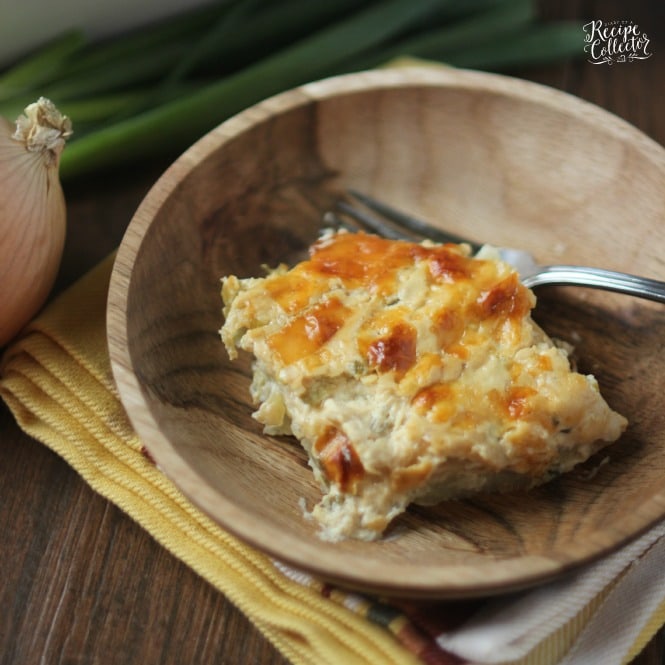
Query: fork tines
{"points": [[362, 212]]}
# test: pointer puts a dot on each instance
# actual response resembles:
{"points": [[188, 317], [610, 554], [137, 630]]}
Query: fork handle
{"points": [[597, 278]]}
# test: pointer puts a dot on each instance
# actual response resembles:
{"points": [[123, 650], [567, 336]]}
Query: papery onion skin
{"points": [[32, 213]]}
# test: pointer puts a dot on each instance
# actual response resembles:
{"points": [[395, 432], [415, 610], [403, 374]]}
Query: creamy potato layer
{"points": [[410, 373]]}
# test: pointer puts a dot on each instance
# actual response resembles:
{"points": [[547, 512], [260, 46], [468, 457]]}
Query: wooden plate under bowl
{"points": [[493, 158]]}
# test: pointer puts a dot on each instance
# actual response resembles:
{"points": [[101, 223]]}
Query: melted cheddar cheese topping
{"points": [[410, 372]]}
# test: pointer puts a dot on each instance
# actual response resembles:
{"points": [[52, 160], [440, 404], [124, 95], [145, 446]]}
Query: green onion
{"points": [[179, 122], [537, 46], [183, 28], [155, 90], [231, 22], [41, 65], [491, 24], [110, 76], [110, 107], [240, 37], [454, 11]]}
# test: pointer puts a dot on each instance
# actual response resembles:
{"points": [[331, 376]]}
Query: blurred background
{"points": [[27, 24]]}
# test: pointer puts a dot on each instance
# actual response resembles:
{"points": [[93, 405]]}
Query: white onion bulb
{"points": [[32, 212]]}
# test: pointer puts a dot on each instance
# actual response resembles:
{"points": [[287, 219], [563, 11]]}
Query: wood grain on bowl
{"points": [[492, 158]]}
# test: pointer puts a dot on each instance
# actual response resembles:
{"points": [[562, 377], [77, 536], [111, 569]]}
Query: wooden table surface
{"points": [[80, 582]]}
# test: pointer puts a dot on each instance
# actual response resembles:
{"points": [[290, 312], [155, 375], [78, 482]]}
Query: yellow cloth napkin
{"points": [[57, 381]]}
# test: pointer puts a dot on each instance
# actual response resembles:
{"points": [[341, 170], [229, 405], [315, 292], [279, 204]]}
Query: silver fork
{"points": [[378, 217]]}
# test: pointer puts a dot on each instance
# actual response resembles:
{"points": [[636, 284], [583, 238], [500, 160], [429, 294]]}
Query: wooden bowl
{"points": [[495, 159]]}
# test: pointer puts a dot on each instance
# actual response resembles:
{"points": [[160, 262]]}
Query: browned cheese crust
{"points": [[410, 373]]}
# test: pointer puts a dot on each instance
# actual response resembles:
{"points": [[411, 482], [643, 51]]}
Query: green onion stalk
{"points": [[153, 91]]}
